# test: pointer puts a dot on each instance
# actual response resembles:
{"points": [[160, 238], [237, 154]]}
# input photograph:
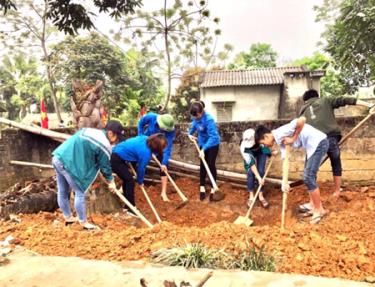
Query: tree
{"points": [[187, 91], [179, 33], [20, 83], [125, 76], [331, 84], [31, 27], [350, 38], [260, 55], [69, 17]]}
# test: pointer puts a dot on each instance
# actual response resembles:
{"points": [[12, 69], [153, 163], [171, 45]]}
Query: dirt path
{"points": [[342, 245]]}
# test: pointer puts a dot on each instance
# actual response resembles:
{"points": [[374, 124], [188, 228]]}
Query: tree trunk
{"points": [[169, 71], [48, 64]]}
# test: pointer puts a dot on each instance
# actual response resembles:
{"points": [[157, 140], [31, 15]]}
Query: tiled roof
{"points": [[254, 77]]}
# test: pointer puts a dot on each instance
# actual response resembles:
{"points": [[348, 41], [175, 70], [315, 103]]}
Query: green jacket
{"points": [[319, 113], [84, 154]]}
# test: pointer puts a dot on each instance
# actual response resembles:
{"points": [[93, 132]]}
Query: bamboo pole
{"points": [[50, 166], [36, 130], [221, 173], [33, 164], [183, 197]]}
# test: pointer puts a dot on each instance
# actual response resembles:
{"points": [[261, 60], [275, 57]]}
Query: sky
{"points": [[288, 25]]}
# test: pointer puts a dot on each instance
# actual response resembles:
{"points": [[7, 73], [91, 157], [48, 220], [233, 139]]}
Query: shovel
{"points": [[246, 219], [343, 140], [183, 197], [146, 195], [213, 182], [285, 184]]}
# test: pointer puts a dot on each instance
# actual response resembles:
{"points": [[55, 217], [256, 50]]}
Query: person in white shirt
{"points": [[299, 134]]}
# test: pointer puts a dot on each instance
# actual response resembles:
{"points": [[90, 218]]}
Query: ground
{"points": [[342, 245]]}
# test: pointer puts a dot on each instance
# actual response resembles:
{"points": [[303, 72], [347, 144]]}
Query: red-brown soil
{"points": [[342, 245]]}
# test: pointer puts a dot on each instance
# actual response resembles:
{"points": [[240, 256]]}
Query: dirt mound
{"points": [[342, 245]]}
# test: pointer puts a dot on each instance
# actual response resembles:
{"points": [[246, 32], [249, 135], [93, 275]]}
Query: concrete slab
{"points": [[26, 269]]}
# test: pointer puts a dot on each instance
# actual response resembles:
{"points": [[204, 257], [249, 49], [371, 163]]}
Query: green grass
{"points": [[196, 255]]}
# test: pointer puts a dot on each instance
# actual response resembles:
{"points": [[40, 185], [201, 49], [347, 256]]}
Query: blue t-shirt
{"points": [[148, 126], [135, 150], [208, 135]]}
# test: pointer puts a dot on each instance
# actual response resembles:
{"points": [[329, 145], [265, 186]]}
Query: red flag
{"points": [[43, 114]]}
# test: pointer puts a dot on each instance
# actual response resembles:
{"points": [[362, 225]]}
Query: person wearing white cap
{"points": [[255, 157]]}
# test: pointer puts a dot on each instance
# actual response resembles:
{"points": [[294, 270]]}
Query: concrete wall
{"points": [[358, 153], [249, 102], [23, 146]]}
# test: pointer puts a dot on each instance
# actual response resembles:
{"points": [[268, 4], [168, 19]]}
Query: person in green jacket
{"points": [[319, 113], [78, 161]]}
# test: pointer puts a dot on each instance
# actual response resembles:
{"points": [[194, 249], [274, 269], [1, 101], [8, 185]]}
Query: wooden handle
{"points": [[259, 188], [150, 204], [133, 208], [145, 194], [180, 193], [207, 168], [285, 183]]}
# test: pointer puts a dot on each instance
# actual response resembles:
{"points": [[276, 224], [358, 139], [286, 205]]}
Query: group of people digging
{"points": [[80, 158]]}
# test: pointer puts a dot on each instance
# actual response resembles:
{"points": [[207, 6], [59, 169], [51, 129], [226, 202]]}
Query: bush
{"points": [[196, 255], [255, 260]]}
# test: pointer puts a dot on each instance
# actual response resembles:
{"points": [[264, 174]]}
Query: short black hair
{"points": [[260, 132], [309, 94]]}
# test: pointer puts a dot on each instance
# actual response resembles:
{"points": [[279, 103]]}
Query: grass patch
{"points": [[196, 255]]}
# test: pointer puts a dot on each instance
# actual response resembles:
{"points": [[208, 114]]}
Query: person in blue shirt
{"points": [[138, 152], [152, 123], [298, 134], [77, 162], [208, 141], [255, 157]]}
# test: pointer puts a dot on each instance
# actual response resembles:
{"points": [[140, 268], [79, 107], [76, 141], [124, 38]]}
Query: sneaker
{"points": [[70, 220], [89, 226], [306, 207], [202, 195]]}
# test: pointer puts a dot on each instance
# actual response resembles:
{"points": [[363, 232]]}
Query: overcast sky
{"points": [[288, 25]]}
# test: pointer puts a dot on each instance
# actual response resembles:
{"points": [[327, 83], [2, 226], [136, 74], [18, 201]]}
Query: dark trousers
{"points": [[334, 155], [121, 168], [210, 156]]}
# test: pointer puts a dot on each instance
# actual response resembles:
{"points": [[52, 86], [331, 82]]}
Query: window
{"points": [[224, 111]]}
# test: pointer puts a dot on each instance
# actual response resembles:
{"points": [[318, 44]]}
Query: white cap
{"points": [[248, 139]]}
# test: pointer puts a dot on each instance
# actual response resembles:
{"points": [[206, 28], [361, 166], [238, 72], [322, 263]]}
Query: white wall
{"points": [[250, 103]]}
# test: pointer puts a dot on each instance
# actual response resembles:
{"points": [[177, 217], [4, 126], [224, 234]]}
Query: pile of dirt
{"points": [[342, 245]]}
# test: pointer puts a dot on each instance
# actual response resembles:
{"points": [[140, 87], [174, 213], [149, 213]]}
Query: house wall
{"points": [[294, 87], [250, 103]]}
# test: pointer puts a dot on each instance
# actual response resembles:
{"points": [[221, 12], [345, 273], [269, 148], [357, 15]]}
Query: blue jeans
{"points": [[312, 165], [64, 183], [260, 161]]}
